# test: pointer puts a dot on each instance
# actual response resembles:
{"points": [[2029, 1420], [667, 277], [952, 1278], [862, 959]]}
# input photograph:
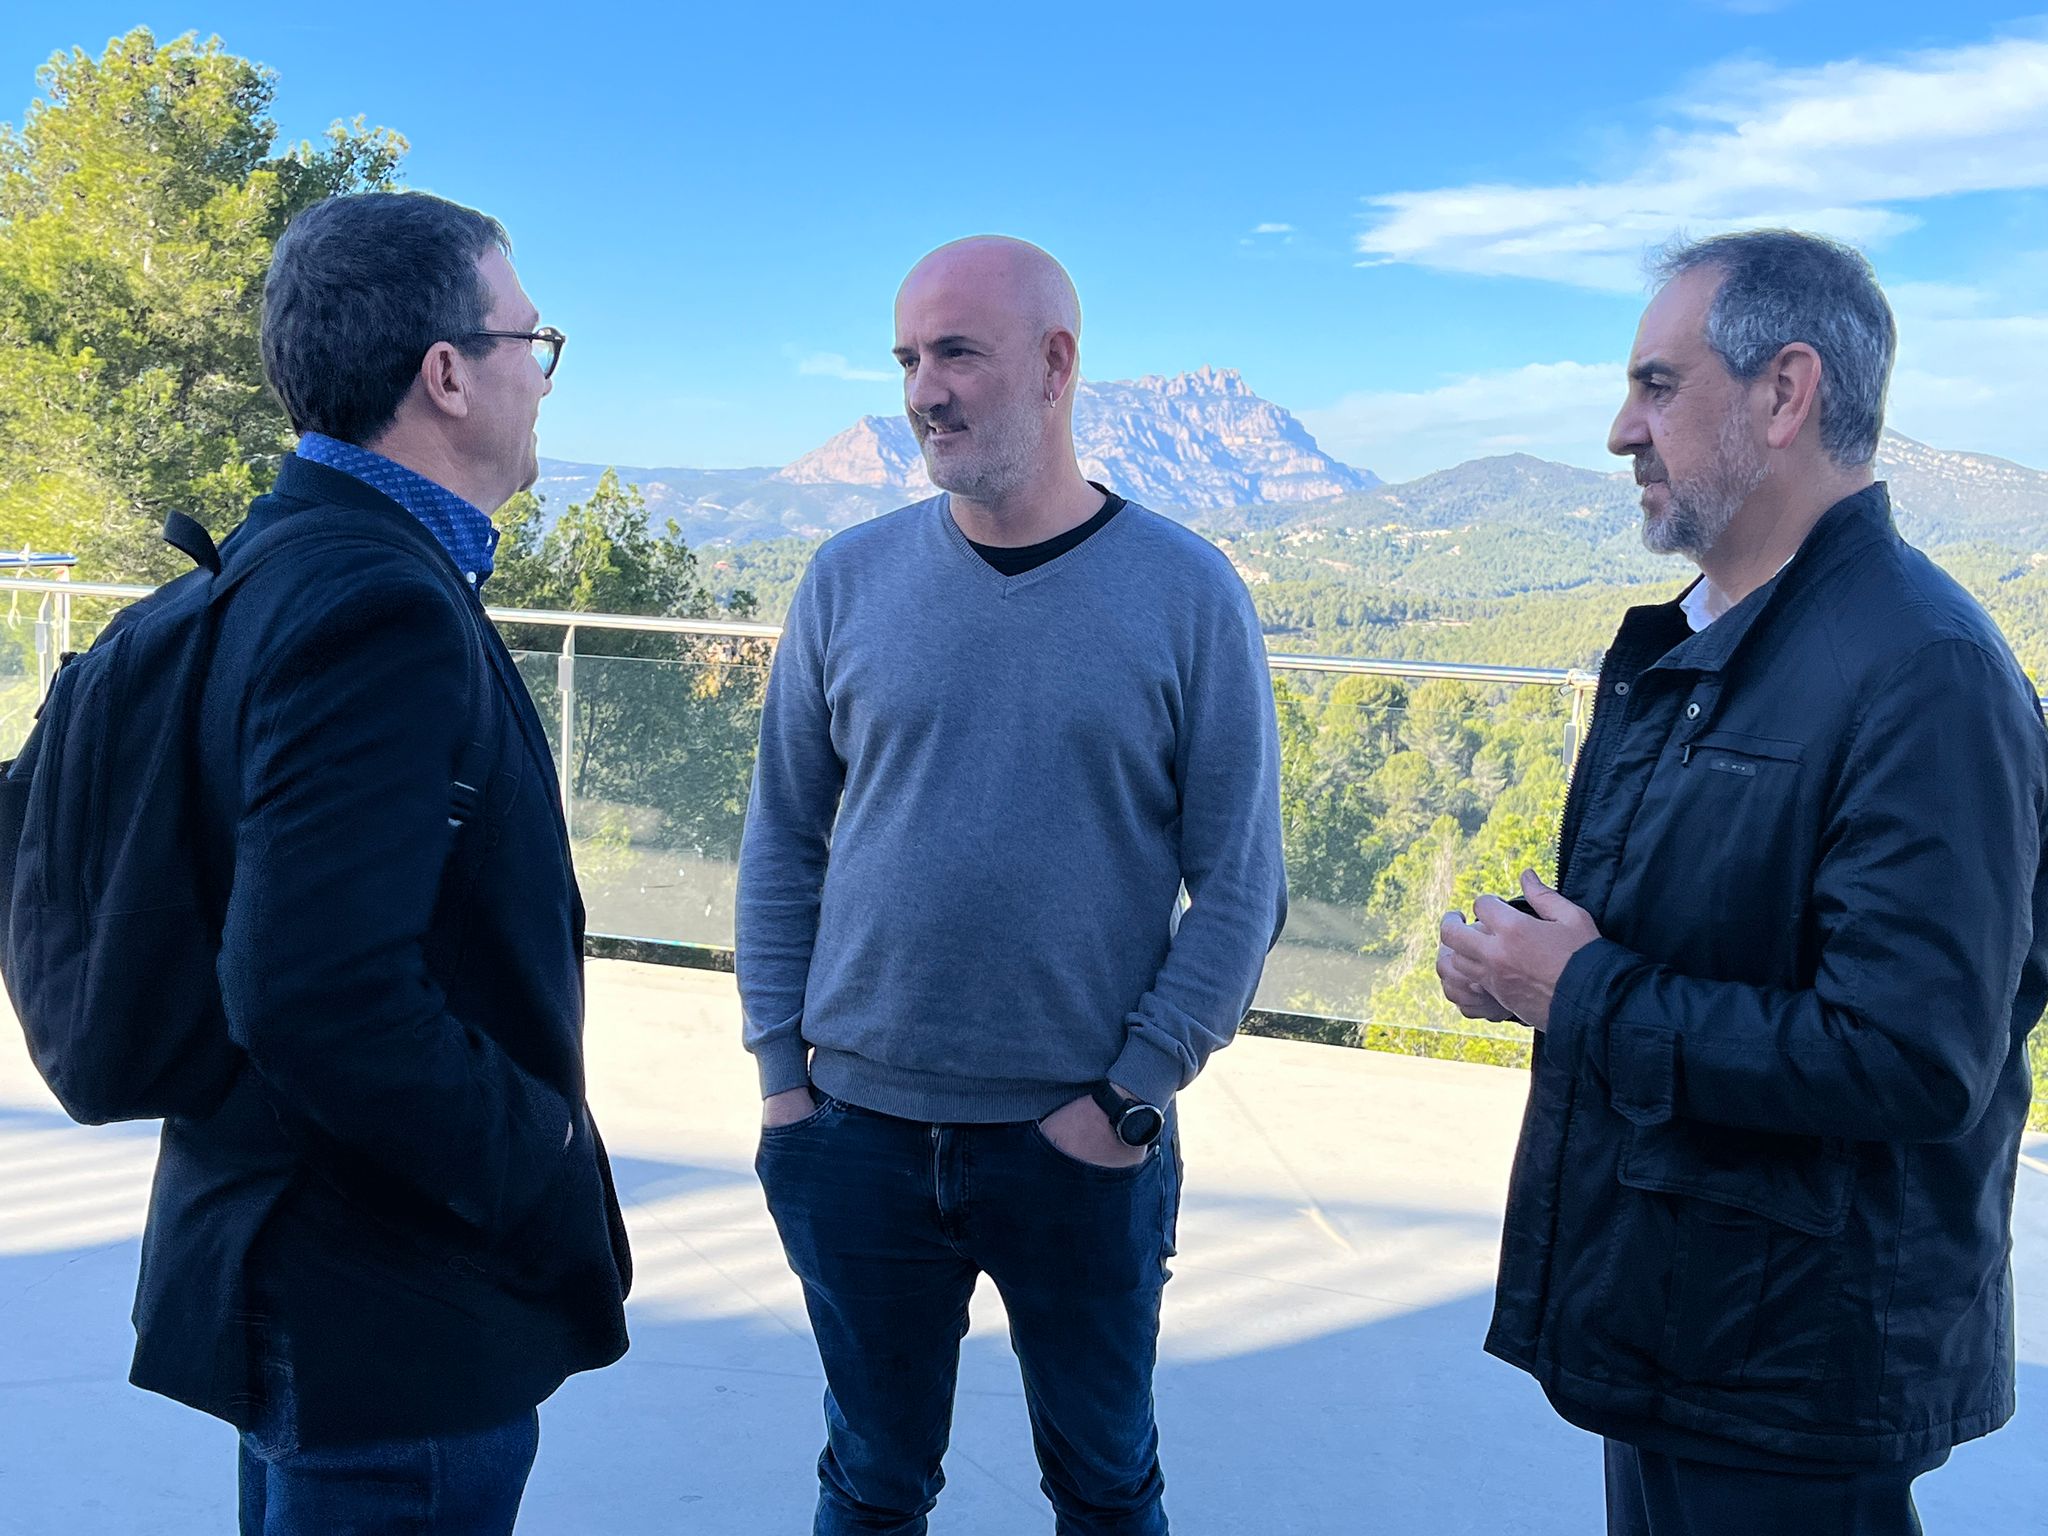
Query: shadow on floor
{"points": [[1399, 1424]]}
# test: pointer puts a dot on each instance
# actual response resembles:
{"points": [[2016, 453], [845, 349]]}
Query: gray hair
{"points": [[360, 287], [1778, 287]]}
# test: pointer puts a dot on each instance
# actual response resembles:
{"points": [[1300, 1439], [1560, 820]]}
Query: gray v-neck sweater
{"points": [[975, 805]]}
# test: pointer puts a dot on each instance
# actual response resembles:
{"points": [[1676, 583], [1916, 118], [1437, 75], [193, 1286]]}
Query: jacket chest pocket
{"points": [[1737, 774], [1728, 817]]}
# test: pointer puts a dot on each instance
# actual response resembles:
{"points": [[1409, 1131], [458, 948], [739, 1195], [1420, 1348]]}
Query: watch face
{"points": [[1140, 1125]]}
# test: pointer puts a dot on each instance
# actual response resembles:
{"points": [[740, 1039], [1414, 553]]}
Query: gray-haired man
{"points": [[1758, 1230]]}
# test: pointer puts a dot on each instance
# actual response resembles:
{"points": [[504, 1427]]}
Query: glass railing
{"points": [[40, 620], [1405, 793], [660, 752], [1408, 788]]}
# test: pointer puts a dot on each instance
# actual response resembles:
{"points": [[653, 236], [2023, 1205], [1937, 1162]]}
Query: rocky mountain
{"points": [[878, 451], [1192, 444], [1204, 447], [1202, 441]]}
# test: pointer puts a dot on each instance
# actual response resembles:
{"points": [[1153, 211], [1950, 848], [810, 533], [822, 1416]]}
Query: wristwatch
{"points": [[1136, 1123]]}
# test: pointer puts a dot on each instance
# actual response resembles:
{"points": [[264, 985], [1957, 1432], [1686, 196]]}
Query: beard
{"points": [[1698, 511], [998, 455]]}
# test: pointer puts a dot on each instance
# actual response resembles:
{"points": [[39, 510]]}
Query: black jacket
{"points": [[403, 1197], [1765, 1180]]}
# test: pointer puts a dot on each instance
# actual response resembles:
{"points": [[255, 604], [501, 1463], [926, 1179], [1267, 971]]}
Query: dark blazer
{"points": [[1765, 1182], [403, 1201]]}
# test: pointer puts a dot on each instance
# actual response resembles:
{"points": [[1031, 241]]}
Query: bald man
{"points": [[1005, 728]]}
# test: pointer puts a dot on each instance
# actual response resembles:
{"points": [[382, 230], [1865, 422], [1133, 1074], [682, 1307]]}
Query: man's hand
{"points": [[1462, 989], [787, 1108], [1082, 1131], [1504, 960]]}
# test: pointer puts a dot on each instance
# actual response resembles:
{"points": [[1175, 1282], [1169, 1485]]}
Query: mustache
{"points": [[1649, 469]]}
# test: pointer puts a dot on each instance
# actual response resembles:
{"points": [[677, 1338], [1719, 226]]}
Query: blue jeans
{"points": [[888, 1223], [1652, 1494], [443, 1485]]}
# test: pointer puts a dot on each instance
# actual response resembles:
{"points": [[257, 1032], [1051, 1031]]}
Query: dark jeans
{"points": [[1651, 1494], [446, 1485], [888, 1222]]}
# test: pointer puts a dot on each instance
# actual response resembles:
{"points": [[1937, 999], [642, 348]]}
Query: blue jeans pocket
{"points": [[828, 1108], [275, 1434], [1123, 1174]]}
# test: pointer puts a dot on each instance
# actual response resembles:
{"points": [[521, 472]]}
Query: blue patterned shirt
{"points": [[461, 528]]}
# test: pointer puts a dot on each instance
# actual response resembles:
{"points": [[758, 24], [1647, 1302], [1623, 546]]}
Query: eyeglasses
{"points": [[546, 342]]}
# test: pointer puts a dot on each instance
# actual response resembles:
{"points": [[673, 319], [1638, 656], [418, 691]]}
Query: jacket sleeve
{"points": [[349, 737], [1228, 768], [798, 777], [1923, 898]]}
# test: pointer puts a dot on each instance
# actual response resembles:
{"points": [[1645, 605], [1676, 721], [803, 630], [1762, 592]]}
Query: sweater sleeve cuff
{"points": [[1151, 1074], [785, 1063]]}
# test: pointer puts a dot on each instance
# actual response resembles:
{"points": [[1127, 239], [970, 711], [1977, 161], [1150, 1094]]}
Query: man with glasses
{"points": [[398, 1233]]}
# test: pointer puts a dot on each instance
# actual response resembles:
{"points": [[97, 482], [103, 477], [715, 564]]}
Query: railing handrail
{"points": [[1366, 666], [1575, 678], [72, 588]]}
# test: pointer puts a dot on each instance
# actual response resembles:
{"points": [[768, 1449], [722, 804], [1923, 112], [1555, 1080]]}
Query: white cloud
{"points": [[1273, 229], [1830, 149], [833, 365], [1972, 371], [1552, 410]]}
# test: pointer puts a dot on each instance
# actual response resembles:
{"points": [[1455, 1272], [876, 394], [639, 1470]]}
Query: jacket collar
{"points": [[301, 484], [1851, 524]]}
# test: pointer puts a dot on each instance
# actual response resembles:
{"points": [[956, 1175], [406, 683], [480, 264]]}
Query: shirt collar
{"points": [[1702, 604], [461, 528]]}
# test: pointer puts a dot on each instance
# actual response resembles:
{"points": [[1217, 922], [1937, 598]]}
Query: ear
{"points": [[444, 380], [1794, 378], [1062, 358]]}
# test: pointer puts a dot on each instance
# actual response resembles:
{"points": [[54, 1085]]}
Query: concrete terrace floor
{"points": [[1321, 1370]]}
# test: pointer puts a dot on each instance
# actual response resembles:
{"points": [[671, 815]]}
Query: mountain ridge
{"points": [[1185, 444], [1205, 448]]}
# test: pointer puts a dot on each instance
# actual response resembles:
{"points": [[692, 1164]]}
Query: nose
{"points": [[1631, 431], [922, 390]]}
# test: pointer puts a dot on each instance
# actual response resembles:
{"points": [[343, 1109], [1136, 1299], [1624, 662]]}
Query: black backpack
{"points": [[112, 888]]}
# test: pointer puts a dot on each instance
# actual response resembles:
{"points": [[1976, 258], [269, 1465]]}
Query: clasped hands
{"points": [[1504, 964]]}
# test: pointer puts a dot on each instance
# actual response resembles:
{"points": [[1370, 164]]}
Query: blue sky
{"points": [[1420, 228]]}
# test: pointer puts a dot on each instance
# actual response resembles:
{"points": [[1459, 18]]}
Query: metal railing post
{"points": [[565, 684], [44, 651], [64, 613]]}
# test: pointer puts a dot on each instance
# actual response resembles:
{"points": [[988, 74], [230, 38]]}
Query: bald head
{"points": [[988, 336], [1014, 277]]}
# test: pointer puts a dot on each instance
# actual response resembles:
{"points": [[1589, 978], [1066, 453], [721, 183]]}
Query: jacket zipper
{"points": [[1567, 819]]}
